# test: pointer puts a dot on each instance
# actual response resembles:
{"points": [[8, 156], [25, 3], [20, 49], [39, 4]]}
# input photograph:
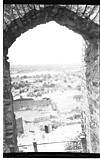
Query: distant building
{"points": [[19, 123], [23, 104]]}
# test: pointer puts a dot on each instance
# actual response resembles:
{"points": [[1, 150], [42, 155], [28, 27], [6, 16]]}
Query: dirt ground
{"points": [[62, 127]]}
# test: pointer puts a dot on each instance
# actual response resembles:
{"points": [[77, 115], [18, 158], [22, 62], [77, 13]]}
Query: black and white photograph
{"points": [[51, 80]]}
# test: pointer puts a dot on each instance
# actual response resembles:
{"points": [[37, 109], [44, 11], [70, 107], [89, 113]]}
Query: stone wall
{"points": [[77, 24], [93, 85], [10, 139]]}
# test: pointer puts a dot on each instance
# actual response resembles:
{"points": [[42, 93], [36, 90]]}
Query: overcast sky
{"points": [[47, 44]]}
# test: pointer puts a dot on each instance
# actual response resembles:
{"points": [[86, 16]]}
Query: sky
{"points": [[48, 43]]}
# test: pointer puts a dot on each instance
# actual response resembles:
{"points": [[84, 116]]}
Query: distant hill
{"points": [[39, 68]]}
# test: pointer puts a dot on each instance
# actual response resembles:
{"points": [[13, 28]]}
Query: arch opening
{"points": [[48, 86]]}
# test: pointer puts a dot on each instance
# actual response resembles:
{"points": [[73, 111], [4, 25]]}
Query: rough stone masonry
{"points": [[19, 19]]}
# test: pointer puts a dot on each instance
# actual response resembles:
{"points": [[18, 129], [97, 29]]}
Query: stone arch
{"points": [[17, 23]]}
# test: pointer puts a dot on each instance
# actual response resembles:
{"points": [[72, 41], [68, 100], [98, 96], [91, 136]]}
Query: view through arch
{"points": [[82, 19], [49, 89]]}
